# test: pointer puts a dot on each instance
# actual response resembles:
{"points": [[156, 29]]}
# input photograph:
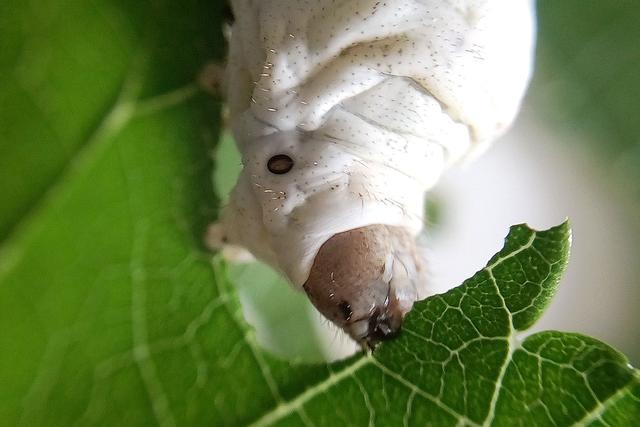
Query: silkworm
{"points": [[346, 113]]}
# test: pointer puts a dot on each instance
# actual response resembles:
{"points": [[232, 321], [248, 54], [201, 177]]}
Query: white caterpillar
{"points": [[345, 113]]}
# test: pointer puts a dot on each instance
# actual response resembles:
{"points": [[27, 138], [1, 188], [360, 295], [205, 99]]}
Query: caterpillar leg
{"points": [[216, 239], [211, 78]]}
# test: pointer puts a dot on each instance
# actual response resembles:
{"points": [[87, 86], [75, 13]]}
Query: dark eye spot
{"points": [[345, 307], [280, 164]]}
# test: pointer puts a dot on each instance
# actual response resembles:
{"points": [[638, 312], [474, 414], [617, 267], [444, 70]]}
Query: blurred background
{"points": [[106, 188], [574, 153]]}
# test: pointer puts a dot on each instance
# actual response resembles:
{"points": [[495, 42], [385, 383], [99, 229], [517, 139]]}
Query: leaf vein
{"points": [[285, 408], [510, 347], [414, 388]]}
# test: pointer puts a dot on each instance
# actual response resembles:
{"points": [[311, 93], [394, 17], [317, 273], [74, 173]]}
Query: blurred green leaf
{"points": [[63, 65], [112, 314], [587, 71]]}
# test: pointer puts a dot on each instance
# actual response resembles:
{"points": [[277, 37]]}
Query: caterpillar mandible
{"points": [[345, 114]]}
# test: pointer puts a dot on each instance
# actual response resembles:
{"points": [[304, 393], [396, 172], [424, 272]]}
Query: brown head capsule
{"points": [[364, 280]]}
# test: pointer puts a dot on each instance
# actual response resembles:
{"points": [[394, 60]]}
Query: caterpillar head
{"points": [[365, 280]]}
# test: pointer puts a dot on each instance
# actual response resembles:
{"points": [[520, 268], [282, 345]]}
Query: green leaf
{"points": [[111, 313], [586, 82], [586, 71], [460, 360]]}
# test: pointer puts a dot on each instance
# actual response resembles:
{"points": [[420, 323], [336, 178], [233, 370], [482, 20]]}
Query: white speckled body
{"points": [[373, 100]]}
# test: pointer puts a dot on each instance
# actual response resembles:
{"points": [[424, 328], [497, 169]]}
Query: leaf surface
{"points": [[461, 361]]}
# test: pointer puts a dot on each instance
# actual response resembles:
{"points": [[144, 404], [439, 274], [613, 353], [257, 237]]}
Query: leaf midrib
{"points": [[125, 108], [289, 407]]}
